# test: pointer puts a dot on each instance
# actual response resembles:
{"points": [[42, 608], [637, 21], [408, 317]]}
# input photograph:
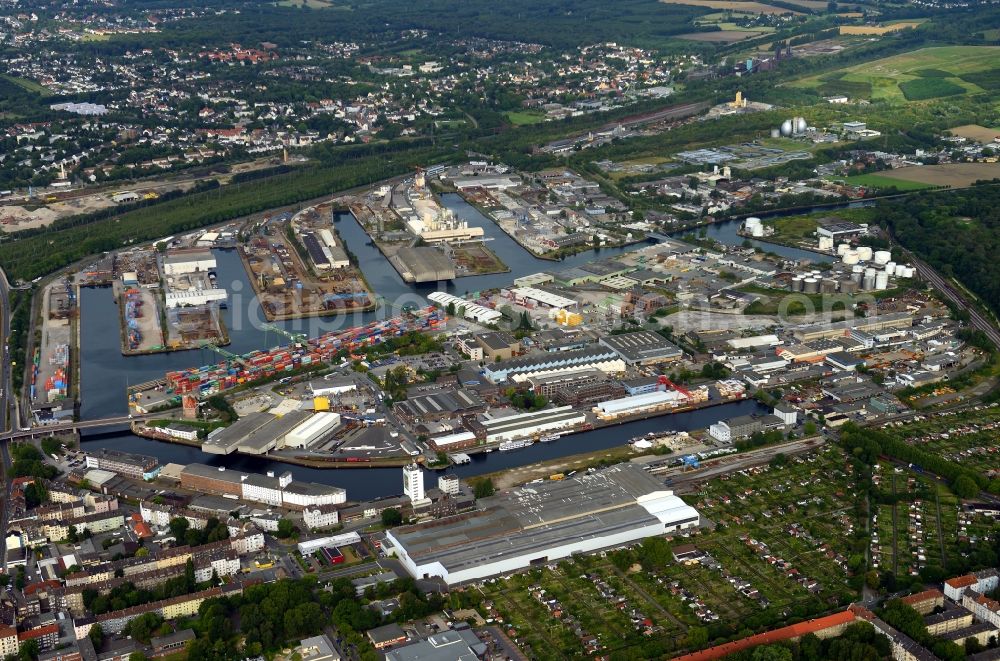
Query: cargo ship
{"points": [[508, 446]]}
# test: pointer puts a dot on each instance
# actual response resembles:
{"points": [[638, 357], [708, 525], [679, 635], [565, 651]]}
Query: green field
{"points": [[29, 85], [923, 74], [878, 181], [523, 118]]}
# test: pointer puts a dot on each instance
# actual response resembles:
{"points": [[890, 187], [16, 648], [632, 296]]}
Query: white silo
{"points": [[865, 253], [900, 270], [775, 133], [842, 248], [890, 268], [857, 273], [868, 282], [800, 125], [870, 272], [850, 257], [881, 280], [758, 231], [882, 257], [786, 128], [797, 283], [826, 243], [910, 272]]}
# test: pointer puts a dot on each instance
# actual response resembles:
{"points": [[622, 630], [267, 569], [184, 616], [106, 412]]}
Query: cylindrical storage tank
{"points": [[775, 133], [868, 282], [870, 272], [825, 243], [882, 257], [758, 230], [910, 272], [890, 268], [901, 269], [882, 280], [857, 274], [800, 124], [828, 285], [786, 127], [797, 283], [810, 286], [842, 248], [865, 253], [751, 222], [851, 257], [848, 286]]}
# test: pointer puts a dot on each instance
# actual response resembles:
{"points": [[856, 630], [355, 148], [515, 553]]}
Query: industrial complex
{"points": [[541, 523]]}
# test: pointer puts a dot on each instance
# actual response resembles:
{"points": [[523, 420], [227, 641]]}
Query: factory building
{"points": [[312, 429], [188, 260], [526, 367], [543, 298], [543, 523], [327, 387], [526, 425], [642, 348], [837, 229]]}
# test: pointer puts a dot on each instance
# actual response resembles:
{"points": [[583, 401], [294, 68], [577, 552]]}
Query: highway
{"points": [[42, 430]]}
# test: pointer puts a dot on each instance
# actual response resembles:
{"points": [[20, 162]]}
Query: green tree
{"points": [[285, 529], [96, 636], [483, 488], [391, 517]]}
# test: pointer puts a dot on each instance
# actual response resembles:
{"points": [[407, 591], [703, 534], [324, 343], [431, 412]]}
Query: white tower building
{"points": [[413, 483]]}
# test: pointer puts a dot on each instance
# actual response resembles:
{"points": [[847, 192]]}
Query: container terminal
{"points": [[257, 366]]}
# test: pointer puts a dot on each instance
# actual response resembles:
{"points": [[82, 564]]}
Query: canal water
{"points": [[106, 373]]}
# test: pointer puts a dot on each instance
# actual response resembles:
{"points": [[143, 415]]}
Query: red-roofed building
{"points": [[954, 587], [924, 602], [47, 636], [41, 586], [823, 627]]}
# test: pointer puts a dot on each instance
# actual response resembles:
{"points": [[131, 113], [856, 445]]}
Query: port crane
{"points": [[294, 337], [228, 355]]}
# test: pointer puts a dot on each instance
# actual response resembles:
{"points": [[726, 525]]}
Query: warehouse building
{"points": [[135, 466], [525, 425], [526, 367], [650, 402], [278, 491], [542, 523], [191, 297], [543, 298], [256, 433], [188, 260], [439, 405], [467, 309], [733, 429], [312, 429], [642, 348], [873, 324]]}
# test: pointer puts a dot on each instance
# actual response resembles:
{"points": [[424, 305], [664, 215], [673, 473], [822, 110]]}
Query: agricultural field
{"points": [[874, 181], [951, 175], [976, 132], [29, 85], [748, 7], [920, 75], [867, 30], [721, 36]]}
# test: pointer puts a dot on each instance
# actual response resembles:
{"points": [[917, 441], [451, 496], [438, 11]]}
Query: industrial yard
{"points": [[422, 239], [168, 301], [300, 268]]}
